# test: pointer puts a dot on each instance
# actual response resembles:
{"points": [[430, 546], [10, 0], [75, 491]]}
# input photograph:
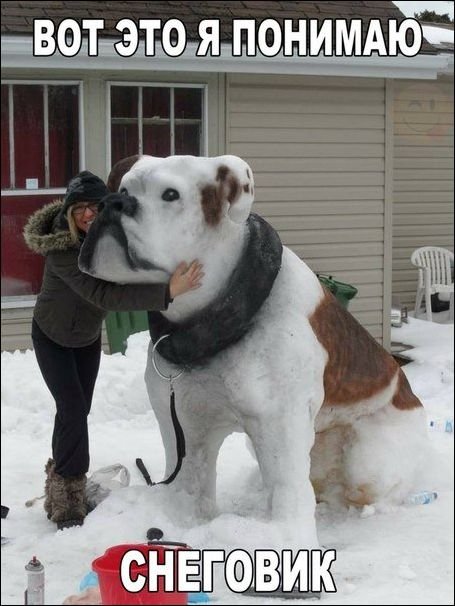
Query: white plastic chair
{"points": [[435, 276]]}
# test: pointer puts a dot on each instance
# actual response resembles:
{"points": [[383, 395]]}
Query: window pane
{"points": [[5, 137], [157, 140], [156, 127], [124, 141], [124, 101], [28, 134], [63, 134], [188, 103], [188, 139], [156, 133], [124, 122], [22, 270], [156, 102]]}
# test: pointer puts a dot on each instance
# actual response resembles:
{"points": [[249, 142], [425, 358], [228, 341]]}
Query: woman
{"points": [[66, 333]]}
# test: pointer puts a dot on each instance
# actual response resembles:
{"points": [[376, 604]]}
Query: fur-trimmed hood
{"points": [[40, 232]]}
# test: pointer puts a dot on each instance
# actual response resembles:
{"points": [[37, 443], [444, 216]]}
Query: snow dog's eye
{"points": [[170, 195]]}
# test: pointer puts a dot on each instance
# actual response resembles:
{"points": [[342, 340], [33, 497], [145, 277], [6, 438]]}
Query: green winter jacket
{"points": [[72, 305]]}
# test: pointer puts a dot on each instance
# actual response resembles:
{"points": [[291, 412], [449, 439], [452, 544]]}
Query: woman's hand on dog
{"points": [[186, 277]]}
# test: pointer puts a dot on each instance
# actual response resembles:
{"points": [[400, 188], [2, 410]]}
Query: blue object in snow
{"points": [[90, 580], [422, 498], [442, 425], [198, 598]]}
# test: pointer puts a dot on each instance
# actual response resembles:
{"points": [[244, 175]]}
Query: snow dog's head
{"points": [[163, 210]]}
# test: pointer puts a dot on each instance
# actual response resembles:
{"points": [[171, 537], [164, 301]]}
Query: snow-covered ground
{"points": [[385, 555]]}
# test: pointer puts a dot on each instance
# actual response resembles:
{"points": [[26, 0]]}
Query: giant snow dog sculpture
{"points": [[267, 350]]}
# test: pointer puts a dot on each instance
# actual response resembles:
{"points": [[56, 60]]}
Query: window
{"points": [[40, 136], [156, 120]]}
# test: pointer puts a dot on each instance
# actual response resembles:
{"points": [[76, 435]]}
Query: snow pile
{"points": [[385, 555]]}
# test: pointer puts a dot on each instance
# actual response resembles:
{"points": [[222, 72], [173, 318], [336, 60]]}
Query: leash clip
{"points": [[170, 377]]}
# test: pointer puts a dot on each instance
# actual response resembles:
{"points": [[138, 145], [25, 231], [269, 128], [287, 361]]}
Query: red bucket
{"points": [[112, 590]]}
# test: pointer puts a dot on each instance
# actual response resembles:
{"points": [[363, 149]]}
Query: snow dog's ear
{"points": [[232, 192], [118, 170]]}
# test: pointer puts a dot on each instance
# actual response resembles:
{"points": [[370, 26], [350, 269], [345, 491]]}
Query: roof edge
{"points": [[17, 52]]}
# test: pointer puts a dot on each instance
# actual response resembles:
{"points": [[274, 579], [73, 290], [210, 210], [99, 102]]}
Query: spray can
{"points": [[34, 594]]}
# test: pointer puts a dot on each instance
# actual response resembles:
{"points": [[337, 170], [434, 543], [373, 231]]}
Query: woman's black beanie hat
{"points": [[84, 187]]}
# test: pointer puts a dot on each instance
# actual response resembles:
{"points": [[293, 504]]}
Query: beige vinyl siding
{"points": [[423, 176], [17, 327], [316, 146]]}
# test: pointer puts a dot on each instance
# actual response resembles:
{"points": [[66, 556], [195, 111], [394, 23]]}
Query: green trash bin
{"points": [[342, 291], [121, 324]]}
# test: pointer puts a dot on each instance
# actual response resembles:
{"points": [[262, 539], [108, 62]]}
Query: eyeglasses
{"points": [[80, 210]]}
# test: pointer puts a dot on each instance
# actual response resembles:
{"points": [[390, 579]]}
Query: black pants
{"points": [[70, 374]]}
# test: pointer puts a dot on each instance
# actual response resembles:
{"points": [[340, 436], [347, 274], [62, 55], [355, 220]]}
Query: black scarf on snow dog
{"points": [[226, 320]]}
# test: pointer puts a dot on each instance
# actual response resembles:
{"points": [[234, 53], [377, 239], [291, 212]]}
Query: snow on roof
{"points": [[440, 37]]}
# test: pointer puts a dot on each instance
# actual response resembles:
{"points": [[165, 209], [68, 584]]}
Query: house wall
{"points": [[317, 147], [323, 151], [94, 91], [423, 188], [16, 321], [17, 326]]}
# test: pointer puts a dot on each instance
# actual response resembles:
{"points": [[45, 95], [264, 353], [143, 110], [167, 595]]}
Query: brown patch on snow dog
{"points": [[357, 367], [228, 189]]}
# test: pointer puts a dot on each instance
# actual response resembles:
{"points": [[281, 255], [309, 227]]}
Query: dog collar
{"points": [[227, 319]]}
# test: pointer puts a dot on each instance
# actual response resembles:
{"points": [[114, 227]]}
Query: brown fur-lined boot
{"points": [[68, 500], [76, 494], [49, 470]]}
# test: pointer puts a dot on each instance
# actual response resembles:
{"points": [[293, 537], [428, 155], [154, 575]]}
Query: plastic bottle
{"points": [[442, 425], [448, 426], [34, 594], [422, 498]]}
